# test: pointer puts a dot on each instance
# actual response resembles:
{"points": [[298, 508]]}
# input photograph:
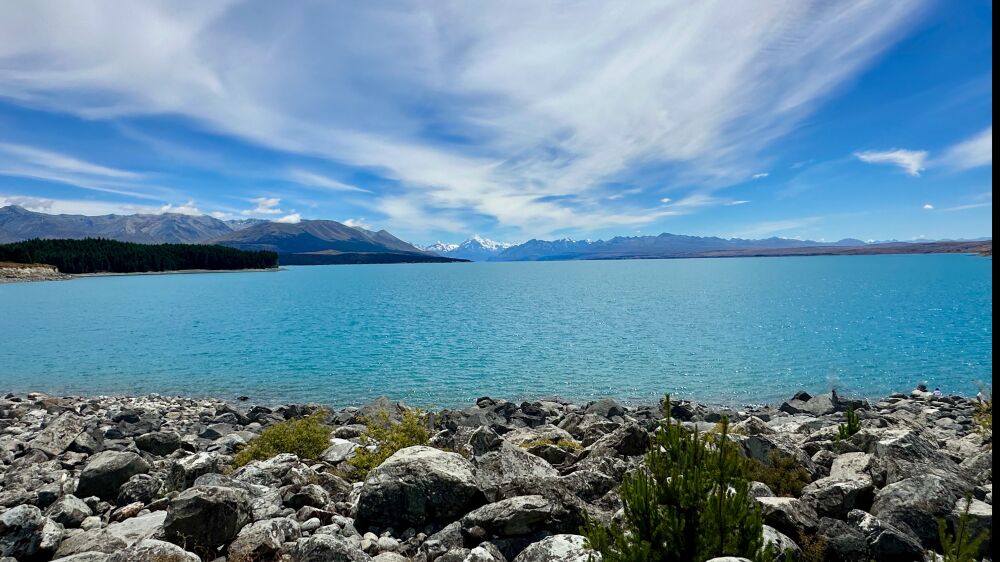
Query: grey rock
{"points": [[151, 550], [831, 497], [142, 488], [915, 504], [503, 472], [206, 517], [788, 515], [159, 443], [86, 557], [59, 434], [485, 552], [138, 528], [69, 511], [89, 541], [843, 541], [328, 548], [105, 473], [885, 542], [520, 515], [185, 471], [416, 486], [263, 540], [605, 407], [339, 450], [783, 544], [21, 531], [559, 548]]}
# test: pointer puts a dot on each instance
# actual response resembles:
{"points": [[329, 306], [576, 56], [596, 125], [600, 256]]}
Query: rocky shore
{"points": [[21, 272], [151, 478]]}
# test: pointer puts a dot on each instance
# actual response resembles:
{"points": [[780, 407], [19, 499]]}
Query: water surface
{"points": [[720, 330]]}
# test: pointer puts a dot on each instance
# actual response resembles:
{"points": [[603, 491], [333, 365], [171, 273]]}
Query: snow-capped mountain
{"points": [[475, 249]]}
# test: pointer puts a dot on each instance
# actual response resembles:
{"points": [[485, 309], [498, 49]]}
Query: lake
{"points": [[744, 330]]}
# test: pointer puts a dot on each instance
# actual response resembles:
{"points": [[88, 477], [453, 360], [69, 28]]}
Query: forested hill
{"points": [[97, 255]]}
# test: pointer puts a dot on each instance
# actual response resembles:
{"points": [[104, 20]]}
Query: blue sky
{"points": [[513, 120]]}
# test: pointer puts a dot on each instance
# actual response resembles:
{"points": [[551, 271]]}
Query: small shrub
{"points": [[383, 437], [562, 443], [961, 546], [782, 473], [307, 437], [983, 416], [853, 425], [688, 502], [813, 547]]}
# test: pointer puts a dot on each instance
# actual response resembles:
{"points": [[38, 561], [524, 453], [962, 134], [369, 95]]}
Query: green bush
{"points": [[961, 546], [562, 443], [782, 474], [690, 501], [307, 437], [983, 416], [853, 425], [383, 437]]}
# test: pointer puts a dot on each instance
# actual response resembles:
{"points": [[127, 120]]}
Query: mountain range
{"points": [[307, 241], [328, 242]]}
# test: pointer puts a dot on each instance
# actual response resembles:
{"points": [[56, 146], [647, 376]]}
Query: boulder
{"points": [[980, 520], [150, 550], [86, 557], [339, 450], [184, 471], [505, 471], [159, 443], [559, 548], [783, 545], [105, 473], [788, 515], [416, 486], [96, 540], [135, 529], [904, 453], [885, 542], [328, 548], [485, 552], [59, 434], [605, 407], [263, 540], [69, 511], [842, 541], [21, 532], [140, 488], [206, 517], [915, 504], [520, 515], [831, 497]]}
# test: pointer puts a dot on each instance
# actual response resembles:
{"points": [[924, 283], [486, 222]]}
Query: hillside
{"points": [[17, 223], [93, 255]]}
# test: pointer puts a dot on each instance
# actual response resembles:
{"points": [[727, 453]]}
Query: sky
{"points": [[514, 120]]}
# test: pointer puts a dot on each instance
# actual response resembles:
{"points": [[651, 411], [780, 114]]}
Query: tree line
{"points": [[99, 255]]}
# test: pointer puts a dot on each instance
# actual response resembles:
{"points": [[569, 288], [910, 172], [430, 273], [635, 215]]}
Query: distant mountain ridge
{"points": [[619, 247], [475, 249], [320, 241], [18, 223]]}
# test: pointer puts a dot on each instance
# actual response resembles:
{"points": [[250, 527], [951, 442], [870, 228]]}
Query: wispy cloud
{"points": [[759, 176], [92, 207], [911, 161], [785, 227], [292, 218], [928, 207], [304, 177], [265, 206], [539, 118], [972, 153]]}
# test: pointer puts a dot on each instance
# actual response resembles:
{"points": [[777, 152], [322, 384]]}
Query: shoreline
{"points": [[49, 276], [150, 477]]}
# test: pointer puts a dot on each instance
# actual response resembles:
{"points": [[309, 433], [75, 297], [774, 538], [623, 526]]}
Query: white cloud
{"points": [[316, 180], [57, 161], [86, 207], [552, 109], [911, 161], [293, 218], [265, 206], [358, 223], [785, 228], [928, 207], [187, 208], [759, 176], [665, 200], [735, 202], [972, 153]]}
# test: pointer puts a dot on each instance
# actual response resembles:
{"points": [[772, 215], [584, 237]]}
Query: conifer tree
{"points": [[689, 502]]}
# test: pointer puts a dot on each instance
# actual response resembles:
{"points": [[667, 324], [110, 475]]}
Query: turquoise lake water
{"points": [[745, 330]]}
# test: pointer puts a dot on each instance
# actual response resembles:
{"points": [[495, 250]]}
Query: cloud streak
{"points": [[530, 124], [911, 161]]}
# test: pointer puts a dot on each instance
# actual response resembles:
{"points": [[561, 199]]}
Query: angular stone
{"points": [[206, 517], [559, 548], [150, 550], [105, 473]]}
